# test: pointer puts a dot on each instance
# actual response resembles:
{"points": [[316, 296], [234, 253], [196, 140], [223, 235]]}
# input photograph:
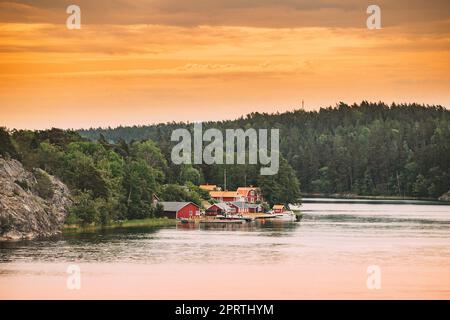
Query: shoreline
{"points": [[135, 223], [316, 198], [350, 196]]}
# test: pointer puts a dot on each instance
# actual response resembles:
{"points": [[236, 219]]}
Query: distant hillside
{"points": [[365, 149]]}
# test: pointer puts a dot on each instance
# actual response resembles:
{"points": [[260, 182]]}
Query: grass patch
{"points": [[150, 222]]}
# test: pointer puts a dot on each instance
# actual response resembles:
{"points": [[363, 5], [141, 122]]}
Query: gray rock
{"points": [[23, 213], [445, 196]]}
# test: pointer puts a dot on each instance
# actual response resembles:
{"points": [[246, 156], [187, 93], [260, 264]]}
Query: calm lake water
{"points": [[326, 255]]}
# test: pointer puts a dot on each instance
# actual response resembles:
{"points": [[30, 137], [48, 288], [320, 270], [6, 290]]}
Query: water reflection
{"points": [[336, 231], [153, 244], [324, 256], [263, 226]]}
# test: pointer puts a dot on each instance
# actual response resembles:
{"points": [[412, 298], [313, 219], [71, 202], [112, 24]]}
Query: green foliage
{"points": [[282, 188], [420, 186], [23, 184], [265, 207], [367, 149], [7, 148], [159, 210], [81, 173], [48, 157], [84, 210], [174, 192], [140, 186], [150, 153], [43, 186], [190, 175], [109, 181], [203, 194], [87, 210]]}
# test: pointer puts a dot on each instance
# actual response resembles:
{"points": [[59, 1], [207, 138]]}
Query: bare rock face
{"points": [[32, 204], [445, 196]]}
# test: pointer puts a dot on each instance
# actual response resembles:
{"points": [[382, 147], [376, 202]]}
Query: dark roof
{"points": [[221, 205], [175, 206], [239, 204], [242, 204]]}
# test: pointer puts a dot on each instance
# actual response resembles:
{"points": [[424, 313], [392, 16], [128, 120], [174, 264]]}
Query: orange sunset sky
{"points": [[141, 62]]}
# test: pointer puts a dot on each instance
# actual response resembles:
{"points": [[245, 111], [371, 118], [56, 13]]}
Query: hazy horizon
{"points": [[144, 123]]}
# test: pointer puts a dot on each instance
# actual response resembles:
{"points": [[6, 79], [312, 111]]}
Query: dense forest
{"points": [[364, 149], [112, 181]]}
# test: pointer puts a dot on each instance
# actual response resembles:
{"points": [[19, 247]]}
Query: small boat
{"points": [[295, 207], [285, 216], [297, 211]]}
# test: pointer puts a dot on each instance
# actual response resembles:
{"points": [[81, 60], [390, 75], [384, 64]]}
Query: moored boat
{"points": [[296, 208], [285, 216]]}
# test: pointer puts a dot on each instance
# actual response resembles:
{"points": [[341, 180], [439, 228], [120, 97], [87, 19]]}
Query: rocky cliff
{"points": [[32, 204]]}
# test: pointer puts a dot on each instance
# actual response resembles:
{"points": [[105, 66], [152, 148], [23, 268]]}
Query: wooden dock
{"points": [[222, 221]]}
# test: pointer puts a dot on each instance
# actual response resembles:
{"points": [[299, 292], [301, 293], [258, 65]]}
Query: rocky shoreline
{"points": [[32, 204]]}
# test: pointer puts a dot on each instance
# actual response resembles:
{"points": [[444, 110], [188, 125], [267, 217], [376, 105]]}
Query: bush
{"points": [[83, 209], [72, 219], [23, 184], [43, 186], [159, 210], [7, 148]]}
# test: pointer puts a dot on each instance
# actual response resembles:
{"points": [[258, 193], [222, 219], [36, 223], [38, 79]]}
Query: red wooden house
{"points": [[226, 196], [254, 208], [218, 209], [250, 194], [239, 207], [179, 210]]}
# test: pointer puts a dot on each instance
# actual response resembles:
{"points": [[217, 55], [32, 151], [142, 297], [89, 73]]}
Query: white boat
{"points": [[285, 216], [295, 207]]}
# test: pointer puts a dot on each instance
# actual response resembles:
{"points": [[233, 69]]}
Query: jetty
{"points": [[222, 221]]}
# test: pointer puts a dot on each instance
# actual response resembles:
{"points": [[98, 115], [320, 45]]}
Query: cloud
{"points": [[255, 13], [178, 59]]}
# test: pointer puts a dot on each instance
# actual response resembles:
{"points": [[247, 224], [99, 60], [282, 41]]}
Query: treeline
{"points": [[365, 149], [120, 180]]}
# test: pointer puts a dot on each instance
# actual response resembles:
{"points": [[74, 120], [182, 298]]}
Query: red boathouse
{"points": [[179, 210], [279, 208]]}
